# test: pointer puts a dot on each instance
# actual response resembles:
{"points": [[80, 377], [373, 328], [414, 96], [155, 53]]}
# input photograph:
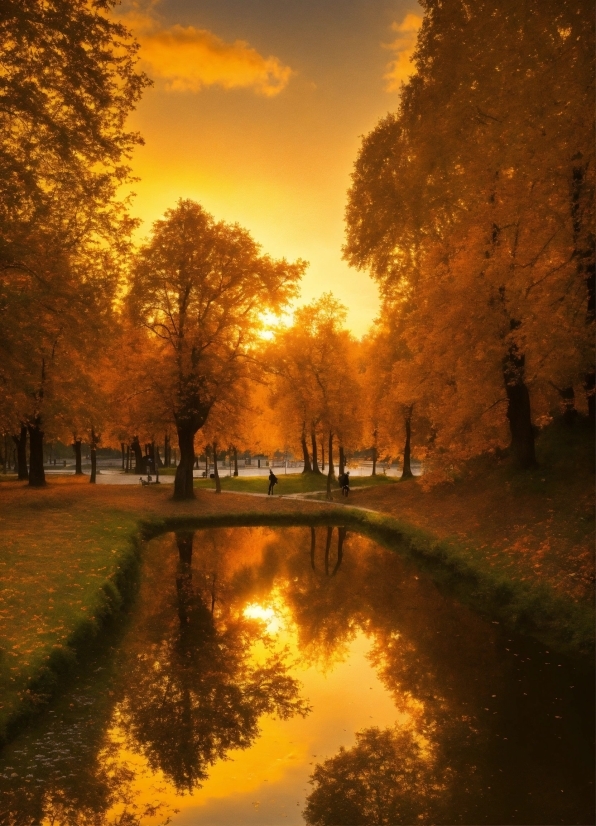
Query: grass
{"points": [[68, 558], [536, 526], [64, 575], [289, 483]]}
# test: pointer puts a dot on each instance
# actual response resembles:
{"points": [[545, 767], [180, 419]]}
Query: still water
{"points": [[283, 676]]}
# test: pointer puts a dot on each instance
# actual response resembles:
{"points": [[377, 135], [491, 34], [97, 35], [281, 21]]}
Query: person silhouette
{"points": [[272, 482], [345, 483]]}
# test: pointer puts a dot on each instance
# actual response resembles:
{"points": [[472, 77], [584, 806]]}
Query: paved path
{"points": [[117, 477], [304, 497]]}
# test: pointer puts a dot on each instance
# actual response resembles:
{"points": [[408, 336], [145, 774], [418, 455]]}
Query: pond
{"points": [[271, 676]]}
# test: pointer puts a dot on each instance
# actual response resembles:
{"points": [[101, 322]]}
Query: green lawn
{"points": [[58, 568], [289, 483]]}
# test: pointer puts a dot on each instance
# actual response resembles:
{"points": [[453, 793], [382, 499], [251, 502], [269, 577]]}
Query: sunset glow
{"points": [[257, 111], [298, 304], [267, 614]]}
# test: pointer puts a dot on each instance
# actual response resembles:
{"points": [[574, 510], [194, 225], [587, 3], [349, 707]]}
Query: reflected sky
{"points": [[257, 657]]}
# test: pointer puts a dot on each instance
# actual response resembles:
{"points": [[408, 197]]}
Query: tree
{"points": [[315, 361], [292, 395], [202, 685], [227, 422], [68, 83], [468, 206], [386, 778], [200, 288]]}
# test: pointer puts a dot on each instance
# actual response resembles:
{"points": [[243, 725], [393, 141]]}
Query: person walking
{"points": [[272, 482], [345, 483]]}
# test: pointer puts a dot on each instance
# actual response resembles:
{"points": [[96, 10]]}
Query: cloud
{"points": [[189, 59], [401, 68]]}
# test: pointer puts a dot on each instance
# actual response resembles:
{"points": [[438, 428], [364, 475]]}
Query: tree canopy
{"points": [[472, 207], [200, 288]]}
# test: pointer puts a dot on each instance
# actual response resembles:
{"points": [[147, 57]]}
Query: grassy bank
{"points": [[535, 526], [68, 560], [65, 578]]}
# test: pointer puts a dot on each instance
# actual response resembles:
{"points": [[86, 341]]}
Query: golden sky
{"points": [[257, 110]]}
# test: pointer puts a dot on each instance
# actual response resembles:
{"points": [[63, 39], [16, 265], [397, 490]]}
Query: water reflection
{"points": [[465, 725], [388, 777], [194, 676]]}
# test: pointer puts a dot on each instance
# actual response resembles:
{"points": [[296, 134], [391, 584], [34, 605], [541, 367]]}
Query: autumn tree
{"points": [[228, 423], [385, 778], [200, 288], [315, 361], [472, 206], [68, 83], [203, 684], [292, 395]]}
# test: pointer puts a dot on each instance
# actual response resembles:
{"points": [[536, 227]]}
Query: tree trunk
{"points": [[518, 409], [590, 379], [327, 548], [315, 459], [235, 452], [76, 446], [342, 460], [307, 466], [127, 459], [407, 469], [322, 456], [122, 449], [154, 456], [590, 386], [330, 473], [374, 453], [206, 461], [21, 453], [215, 470], [166, 450], [569, 411], [138, 453], [183, 486], [184, 541], [37, 477], [341, 535], [93, 452]]}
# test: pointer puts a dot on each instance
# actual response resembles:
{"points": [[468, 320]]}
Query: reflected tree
{"points": [[68, 770], [341, 535], [388, 777], [195, 689]]}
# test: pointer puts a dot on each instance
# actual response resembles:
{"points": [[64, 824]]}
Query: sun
{"points": [[271, 323]]}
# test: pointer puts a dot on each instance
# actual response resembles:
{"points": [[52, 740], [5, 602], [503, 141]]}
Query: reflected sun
{"points": [[273, 621]]}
